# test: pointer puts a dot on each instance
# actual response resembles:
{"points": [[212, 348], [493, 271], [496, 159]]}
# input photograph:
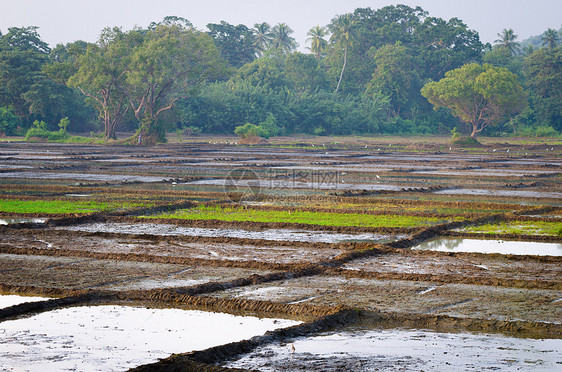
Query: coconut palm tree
{"points": [[318, 43], [507, 38], [282, 38], [342, 33], [550, 38], [263, 37]]}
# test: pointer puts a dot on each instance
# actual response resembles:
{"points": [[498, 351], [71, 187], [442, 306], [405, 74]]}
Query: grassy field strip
{"points": [[63, 206], [518, 227], [301, 217]]}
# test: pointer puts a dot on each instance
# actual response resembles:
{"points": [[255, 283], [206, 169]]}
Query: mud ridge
{"points": [[445, 323], [254, 279], [448, 279], [135, 257], [47, 305], [540, 210], [235, 305], [229, 351]]}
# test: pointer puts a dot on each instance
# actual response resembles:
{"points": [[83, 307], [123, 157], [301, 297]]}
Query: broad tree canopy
{"points": [[479, 95]]}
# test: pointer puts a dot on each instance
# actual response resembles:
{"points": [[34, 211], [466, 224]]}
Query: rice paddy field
{"points": [[304, 254]]}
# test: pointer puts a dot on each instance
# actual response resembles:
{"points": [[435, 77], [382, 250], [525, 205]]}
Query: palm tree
{"points": [[507, 38], [263, 37], [318, 43], [342, 33], [550, 38], [282, 38]]}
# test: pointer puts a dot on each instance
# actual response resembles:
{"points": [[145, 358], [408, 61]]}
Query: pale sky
{"points": [[63, 21]]}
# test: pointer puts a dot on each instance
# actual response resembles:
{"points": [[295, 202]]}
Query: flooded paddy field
{"points": [[417, 256], [111, 337], [404, 350]]}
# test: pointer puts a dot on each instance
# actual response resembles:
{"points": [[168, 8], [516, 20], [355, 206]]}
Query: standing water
{"points": [[406, 350], [116, 338], [492, 246]]}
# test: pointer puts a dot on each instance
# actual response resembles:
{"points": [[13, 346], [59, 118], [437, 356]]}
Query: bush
{"points": [[8, 121], [251, 130], [192, 131], [465, 142], [40, 132]]}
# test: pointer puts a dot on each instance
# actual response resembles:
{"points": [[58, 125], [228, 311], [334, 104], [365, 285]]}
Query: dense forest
{"points": [[364, 74]]}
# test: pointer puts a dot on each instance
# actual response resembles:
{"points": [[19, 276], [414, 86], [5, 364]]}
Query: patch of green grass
{"points": [[518, 227], [62, 206], [305, 217]]}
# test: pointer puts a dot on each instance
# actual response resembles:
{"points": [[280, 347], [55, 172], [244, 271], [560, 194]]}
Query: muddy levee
{"points": [[323, 235]]}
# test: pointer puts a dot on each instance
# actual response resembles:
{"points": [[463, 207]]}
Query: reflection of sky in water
{"points": [[104, 338], [10, 221], [409, 350], [272, 234], [11, 300], [492, 246]]}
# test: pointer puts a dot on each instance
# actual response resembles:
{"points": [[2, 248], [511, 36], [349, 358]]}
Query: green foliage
{"points": [[455, 134], [269, 126], [463, 141], [235, 43], [480, 96], [192, 131], [544, 80], [63, 124], [170, 75], [395, 76], [303, 217], [43, 134], [518, 227], [40, 132], [62, 206], [8, 121], [251, 130]]}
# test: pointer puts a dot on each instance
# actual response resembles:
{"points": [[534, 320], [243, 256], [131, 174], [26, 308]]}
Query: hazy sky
{"points": [[62, 21]]}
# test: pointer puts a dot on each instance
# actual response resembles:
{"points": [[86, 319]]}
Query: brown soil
{"points": [[328, 285]]}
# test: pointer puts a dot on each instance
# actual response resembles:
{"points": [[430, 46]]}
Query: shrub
{"points": [[8, 121], [465, 142], [251, 130]]}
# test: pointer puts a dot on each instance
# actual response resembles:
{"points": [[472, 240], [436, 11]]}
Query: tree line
{"points": [[365, 74]]}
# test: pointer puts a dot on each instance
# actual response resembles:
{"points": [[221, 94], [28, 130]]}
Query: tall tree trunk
{"points": [[343, 68]]}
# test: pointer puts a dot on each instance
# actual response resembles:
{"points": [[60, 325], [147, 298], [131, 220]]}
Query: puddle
{"points": [[336, 183], [12, 221], [82, 176], [406, 350], [492, 246], [512, 193], [11, 300], [272, 234], [105, 338]]}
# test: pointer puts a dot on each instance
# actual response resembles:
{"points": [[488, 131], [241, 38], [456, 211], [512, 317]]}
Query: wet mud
{"points": [[329, 277]]}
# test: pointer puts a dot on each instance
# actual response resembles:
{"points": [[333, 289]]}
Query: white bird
{"points": [[376, 175], [507, 150]]}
